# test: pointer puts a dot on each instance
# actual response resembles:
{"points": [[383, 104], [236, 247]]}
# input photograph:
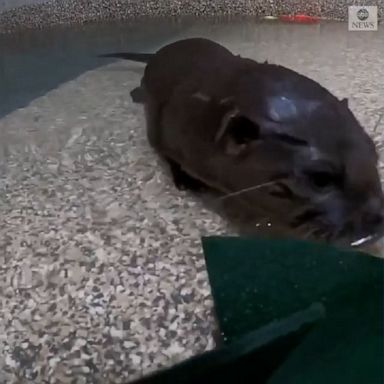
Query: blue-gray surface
{"points": [[33, 62], [9, 4]]}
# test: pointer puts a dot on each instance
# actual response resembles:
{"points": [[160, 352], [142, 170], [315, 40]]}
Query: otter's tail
{"points": [[140, 57]]}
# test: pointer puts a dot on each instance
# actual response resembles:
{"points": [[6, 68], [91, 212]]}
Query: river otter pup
{"points": [[234, 124]]}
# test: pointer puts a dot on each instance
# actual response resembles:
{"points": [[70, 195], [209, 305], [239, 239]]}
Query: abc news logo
{"points": [[362, 18]]}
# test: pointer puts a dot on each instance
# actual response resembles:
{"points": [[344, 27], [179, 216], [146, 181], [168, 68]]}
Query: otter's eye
{"points": [[322, 179]]}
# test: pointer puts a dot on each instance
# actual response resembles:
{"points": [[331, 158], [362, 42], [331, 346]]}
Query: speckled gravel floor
{"points": [[41, 13], [102, 276]]}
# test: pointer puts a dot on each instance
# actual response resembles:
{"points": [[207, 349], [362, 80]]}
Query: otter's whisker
{"points": [[315, 232], [283, 191], [253, 188], [309, 233]]}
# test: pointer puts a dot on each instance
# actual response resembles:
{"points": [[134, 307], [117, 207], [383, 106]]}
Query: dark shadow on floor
{"points": [[34, 62]]}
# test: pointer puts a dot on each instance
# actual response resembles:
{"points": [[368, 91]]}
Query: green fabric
{"points": [[255, 281], [289, 312]]}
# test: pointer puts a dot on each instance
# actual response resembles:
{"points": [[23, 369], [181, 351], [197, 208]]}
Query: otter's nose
{"points": [[372, 216], [374, 219]]}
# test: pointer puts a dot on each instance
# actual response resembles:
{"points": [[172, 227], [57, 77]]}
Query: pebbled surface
{"points": [[27, 14], [102, 277]]}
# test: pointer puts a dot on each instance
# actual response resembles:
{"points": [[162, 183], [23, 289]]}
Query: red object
{"points": [[304, 19]]}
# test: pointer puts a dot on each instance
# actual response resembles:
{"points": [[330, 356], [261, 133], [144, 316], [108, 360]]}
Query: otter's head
{"points": [[336, 172], [324, 163]]}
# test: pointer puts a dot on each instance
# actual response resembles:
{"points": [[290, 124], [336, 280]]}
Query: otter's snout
{"points": [[372, 218], [354, 223], [366, 225]]}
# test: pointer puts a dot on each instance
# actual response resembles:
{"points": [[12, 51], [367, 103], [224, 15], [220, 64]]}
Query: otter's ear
{"points": [[236, 132], [344, 102]]}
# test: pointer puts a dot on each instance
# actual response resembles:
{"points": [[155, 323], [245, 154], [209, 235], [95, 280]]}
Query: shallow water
{"points": [[101, 273]]}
